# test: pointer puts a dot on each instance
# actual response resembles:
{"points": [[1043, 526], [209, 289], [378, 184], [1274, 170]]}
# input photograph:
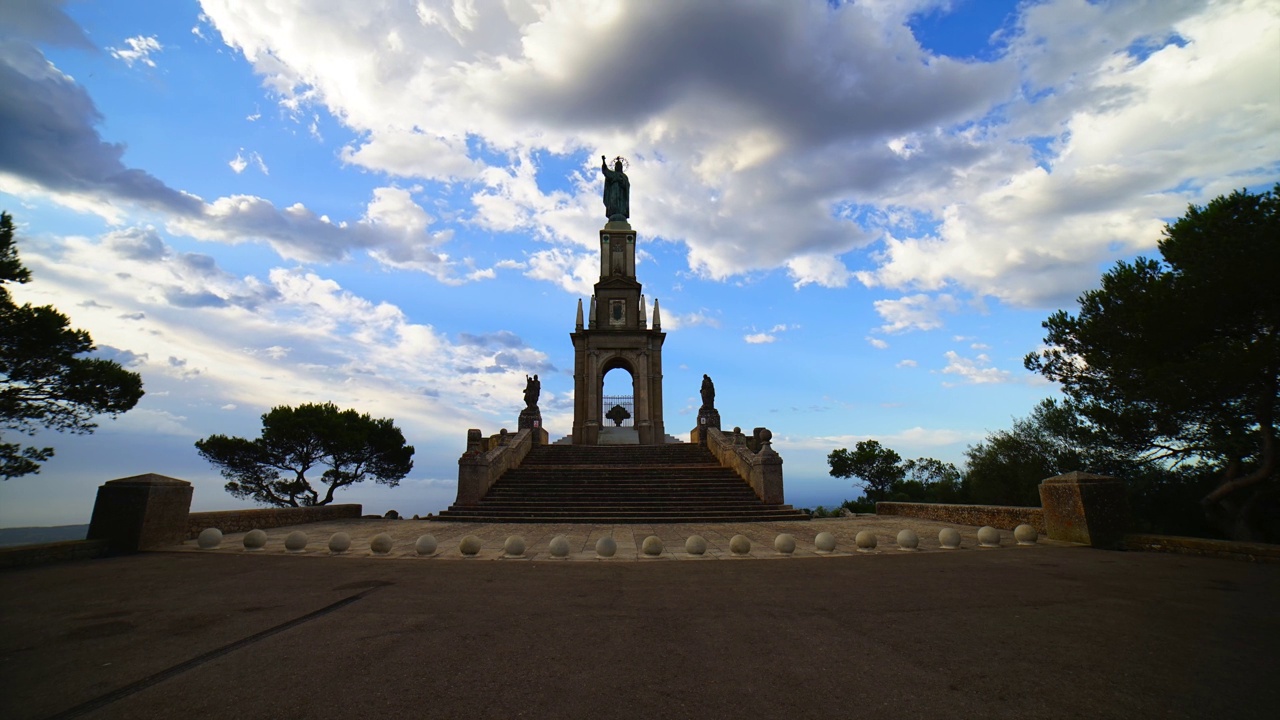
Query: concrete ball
{"points": [[740, 545], [1026, 535], [695, 545], [949, 538], [606, 547], [652, 546], [380, 544], [426, 545], [340, 542], [908, 540], [559, 546], [988, 537], [866, 541], [255, 540], [470, 546], [825, 542], [784, 543], [296, 541], [514, 546], [209, 538]]}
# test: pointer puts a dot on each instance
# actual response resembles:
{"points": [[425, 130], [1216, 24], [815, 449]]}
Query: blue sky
{"points": [[855, 215]]}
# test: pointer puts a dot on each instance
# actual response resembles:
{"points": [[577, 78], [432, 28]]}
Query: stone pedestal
{"points": [[707, 418], [1084, 508], [143, 512], [531, 419]]}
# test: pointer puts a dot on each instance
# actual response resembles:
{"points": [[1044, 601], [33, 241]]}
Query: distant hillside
{"points": [[37, 535]]}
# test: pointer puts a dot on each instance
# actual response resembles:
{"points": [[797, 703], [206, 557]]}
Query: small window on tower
{"points": [[617, 312]]}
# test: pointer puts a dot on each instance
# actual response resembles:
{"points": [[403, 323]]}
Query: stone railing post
{"points": [[766, 469], [142, 512], [1084, 508]]}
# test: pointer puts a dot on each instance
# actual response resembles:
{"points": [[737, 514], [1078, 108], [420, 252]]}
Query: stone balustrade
{"points": [[761, 468], [484, 462]]}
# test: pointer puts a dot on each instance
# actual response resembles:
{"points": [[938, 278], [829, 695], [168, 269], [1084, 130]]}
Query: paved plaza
{"points": [[1047, 631]]}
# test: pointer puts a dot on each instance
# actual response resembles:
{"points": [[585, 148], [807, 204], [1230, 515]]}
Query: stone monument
{"points": [[531, 416], [616, 333]]}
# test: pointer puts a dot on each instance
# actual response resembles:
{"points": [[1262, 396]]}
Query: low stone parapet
{"points": [[45, 553], [484, 462], [235, 521], [761, 467], [1004, 517]]}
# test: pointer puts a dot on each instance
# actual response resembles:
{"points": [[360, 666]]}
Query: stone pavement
{"points": [[582, 538], [1039, 632]]}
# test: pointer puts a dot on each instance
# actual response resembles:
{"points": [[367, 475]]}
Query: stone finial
{"points": [[785, 543], [908, 540], [296, 541], [592, 315], [255, 540], [865, 540], [559, 546], [606, 547], [209, 539], [695, 545], [1026, 534], [473, 441], [426, 545], [381, 544], [652, 546], [740, 545], [825, 542], [988, 537], [657, 317], [513, 547], [643, 312], [577, 324], [339, 543], [470, 546], [949, 538]]}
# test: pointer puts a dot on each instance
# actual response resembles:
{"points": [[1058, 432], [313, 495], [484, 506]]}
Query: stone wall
{"points": [[234, 521], [45, 553], [1003, 517]]}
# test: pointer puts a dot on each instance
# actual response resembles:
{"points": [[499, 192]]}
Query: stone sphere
{"points": [[296, 541], [785, 544], [606, 547], [209, 538], [339, 543], [514, 546], [652, 546], [740, 545], [1026, 535], [380, 544], [988, 537], [908, 540], [866, 541], [426, 545], [825, 542], [949, 538], [695, 545], [559, 546], [255, 540], [470, 546]]}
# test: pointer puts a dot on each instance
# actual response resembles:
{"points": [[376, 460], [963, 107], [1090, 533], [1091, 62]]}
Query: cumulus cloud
{"points": [[139, 50], [914, 312], [974, 371]]}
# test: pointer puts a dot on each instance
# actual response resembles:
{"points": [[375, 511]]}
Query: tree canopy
{"points": [[44, 381], [876, 467], [1177, 360], [272, 469]]}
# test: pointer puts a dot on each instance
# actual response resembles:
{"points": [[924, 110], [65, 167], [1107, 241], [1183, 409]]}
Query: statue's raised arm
{"points": [[617, 190]]}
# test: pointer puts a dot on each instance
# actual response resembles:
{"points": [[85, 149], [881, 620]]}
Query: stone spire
{"points": [[657, 318], [578, 323]]}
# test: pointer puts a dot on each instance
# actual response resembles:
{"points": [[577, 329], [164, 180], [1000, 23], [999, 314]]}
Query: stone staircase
{"points": [[673, 483]]}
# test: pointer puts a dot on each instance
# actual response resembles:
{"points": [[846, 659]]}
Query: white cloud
{"points": [[877, 343], [914, 312], [907, 363], [759, 338], [139, 50], [974, 371], [239, 163]]}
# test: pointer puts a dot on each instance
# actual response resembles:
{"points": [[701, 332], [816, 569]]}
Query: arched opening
{"points": [[617, 405]]}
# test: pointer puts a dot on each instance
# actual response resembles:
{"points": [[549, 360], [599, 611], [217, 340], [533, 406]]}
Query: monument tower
{"points": [[616, 334]]}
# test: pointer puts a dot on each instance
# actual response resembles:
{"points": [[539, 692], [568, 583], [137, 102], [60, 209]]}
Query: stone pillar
{"points": [[143, 512], [1084, 508]]}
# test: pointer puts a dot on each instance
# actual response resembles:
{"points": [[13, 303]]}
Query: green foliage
{"points": [[43, 384], [1007, 467], [272, 469], [877, 468], [1177, 362]]}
